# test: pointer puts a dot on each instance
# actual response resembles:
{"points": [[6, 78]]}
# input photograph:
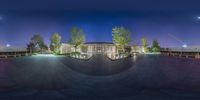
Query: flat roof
{"points": [[98, 43], [12, 49]]}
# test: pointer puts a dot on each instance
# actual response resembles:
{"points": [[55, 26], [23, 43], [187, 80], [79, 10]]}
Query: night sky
{"points": [[171, 22]]}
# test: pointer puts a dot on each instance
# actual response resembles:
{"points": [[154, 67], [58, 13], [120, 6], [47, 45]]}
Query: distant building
{"points": [[183, 49], [186, 52], [11, 49]]}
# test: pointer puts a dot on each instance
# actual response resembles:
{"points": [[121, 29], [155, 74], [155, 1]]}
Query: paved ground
{"points": [[61, 78]]}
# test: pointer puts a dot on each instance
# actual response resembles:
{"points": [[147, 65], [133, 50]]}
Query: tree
{"points": [[84, 49], [144, 44], [77, 38], [31, 47], [43, 47], [155, 46], [55, 42], [121, 37], [37, 43]]}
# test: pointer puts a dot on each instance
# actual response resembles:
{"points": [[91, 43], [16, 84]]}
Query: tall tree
{"points": [[37, 42], [31, 47], [155, 46], [121, 37], [55, 42], [77, 38], [144, 44]]}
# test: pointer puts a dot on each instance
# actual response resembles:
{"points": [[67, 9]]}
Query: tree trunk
{"points": [[31, 50], [75, 47], [123, 48]]}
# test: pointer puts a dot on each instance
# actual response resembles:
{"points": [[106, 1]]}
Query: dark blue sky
{"points": [[153, 19]]}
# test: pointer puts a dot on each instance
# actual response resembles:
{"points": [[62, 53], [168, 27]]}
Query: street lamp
{"points": [[8, 45]]}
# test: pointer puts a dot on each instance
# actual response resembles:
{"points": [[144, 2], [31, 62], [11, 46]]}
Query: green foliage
{"points": [[128, 49], [121, 37], [77, 37], [84, 49], [31, 47], [37, 43], [144, 44], [44, 47], [57, 53], [38, 40], [123, 54], [75, 53], [155, 46], [34, 53], [55, 42]]}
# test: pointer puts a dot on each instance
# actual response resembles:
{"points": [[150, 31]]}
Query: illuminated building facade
{"points": [[137, 49], [91, 48], [67, 48], [106, 48]]}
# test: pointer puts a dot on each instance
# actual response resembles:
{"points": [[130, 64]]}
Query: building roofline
{"points": [[111, 43], [98, 43]]}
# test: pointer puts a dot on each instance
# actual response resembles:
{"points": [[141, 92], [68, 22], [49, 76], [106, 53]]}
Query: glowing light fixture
{"points": [[8, 45], [184, 46]]}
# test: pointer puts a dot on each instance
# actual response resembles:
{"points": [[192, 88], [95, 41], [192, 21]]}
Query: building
{"points": [[137, 49], [65, 48], [183, 49], [91, 48], [187, 52], [101, 48], [12, 49]]}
